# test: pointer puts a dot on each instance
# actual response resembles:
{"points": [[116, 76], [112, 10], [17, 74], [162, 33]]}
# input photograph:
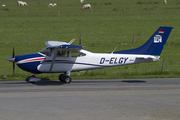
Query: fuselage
{"points": [[82, 60]]}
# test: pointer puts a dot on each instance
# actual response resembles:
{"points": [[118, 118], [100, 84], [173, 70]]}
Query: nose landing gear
{"points": [[33, 79]]}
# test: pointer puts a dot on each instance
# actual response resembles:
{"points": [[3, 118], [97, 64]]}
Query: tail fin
{"points": [[153, 46]]}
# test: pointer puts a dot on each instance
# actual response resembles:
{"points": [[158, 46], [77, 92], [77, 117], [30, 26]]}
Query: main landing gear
{"points": [[65, 78]]}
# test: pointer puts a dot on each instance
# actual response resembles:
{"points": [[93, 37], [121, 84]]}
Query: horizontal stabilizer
{"points": [[149, 57]]}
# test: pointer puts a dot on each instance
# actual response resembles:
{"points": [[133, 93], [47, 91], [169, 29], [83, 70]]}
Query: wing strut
{"points": [[55, 54], [72, 41]]}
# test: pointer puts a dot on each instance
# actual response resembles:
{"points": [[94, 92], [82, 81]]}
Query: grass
{"points": [[110, 24]]}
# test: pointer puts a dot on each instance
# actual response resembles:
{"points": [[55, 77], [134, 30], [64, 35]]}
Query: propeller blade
{"points": [[13, 56], [13, 53], [13, 68]]}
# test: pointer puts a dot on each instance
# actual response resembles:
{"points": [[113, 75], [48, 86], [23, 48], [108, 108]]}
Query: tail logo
{"points": [[157, 39]]}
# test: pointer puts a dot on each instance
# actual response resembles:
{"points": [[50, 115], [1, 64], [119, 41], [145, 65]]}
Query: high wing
{"points": [[57, 44], [71, 47]]}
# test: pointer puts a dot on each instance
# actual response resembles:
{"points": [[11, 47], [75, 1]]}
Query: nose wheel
{"points": [[65, 78], [33, 79]]}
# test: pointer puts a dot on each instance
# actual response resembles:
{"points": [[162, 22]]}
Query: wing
{"points": [[71, 47], [54, 43], [57, 44]]}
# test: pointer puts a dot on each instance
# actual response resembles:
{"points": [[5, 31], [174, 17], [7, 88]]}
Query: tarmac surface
{"points": [[113, 99]]}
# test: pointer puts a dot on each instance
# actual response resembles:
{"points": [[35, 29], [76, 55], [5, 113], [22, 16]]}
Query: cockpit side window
{"points": [[46, 51], [61, 53], [77, 54]]}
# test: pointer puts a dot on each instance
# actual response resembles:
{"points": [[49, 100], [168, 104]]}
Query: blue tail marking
{"points": [[153, 46]]}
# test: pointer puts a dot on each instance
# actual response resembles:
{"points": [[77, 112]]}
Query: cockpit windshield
{"points": [[46, 51]]}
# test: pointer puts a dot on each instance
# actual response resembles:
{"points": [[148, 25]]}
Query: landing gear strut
{"points": [[65, 78]]}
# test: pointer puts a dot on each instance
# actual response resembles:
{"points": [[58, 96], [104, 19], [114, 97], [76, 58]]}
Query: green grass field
{"points": [[110, 24]]}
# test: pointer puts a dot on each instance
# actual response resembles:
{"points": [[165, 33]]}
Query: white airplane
{"points": [[62, 57]]}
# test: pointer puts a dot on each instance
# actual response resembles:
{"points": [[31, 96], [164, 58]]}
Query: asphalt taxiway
{"points": [[113, 99]]}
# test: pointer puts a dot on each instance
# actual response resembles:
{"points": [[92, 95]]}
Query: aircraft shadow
{"points": [[109, 81], [51, 82], [47, 82], [133, 81]]}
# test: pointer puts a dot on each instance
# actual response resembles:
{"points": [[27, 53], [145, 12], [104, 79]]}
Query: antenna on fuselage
{"points": [[71, 41], [113, 50]]}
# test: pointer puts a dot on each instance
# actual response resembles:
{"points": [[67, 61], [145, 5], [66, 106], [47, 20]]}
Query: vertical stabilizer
{"points": [[154, 45]]}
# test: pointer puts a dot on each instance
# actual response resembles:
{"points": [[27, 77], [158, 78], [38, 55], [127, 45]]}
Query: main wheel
{"points": [[67, 79], [61, 77]]}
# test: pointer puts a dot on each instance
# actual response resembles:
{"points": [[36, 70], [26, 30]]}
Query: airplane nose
{"points": [[11, 59]]}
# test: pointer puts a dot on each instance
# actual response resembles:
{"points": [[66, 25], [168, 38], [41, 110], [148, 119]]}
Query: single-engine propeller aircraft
{"points": [[62, 57]]}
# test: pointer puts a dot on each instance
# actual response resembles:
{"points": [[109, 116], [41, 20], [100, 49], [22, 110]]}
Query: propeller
{"points": [[12, 59]]}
